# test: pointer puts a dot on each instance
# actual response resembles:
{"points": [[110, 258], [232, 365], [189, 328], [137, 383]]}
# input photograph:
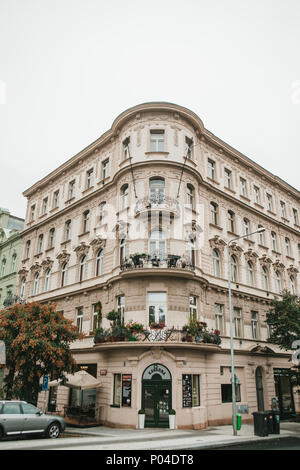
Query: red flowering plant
{"points": [[134, 326], [156, 326]]}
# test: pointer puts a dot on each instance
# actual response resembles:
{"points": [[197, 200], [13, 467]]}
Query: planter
{"points": [[172, 421], [141, 421]]}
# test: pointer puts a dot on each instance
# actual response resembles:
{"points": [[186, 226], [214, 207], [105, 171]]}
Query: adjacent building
{"points": [[10, 245], [140, 221]]}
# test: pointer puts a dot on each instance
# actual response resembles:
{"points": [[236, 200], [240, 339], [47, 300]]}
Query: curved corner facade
{"points": [[139, 221]]}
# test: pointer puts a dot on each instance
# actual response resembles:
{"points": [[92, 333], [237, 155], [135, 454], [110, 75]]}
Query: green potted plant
{"points": [[141, 419], [172, 414]]}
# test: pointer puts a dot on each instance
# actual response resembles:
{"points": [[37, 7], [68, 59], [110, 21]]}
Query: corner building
{"points": [[160, 185]]}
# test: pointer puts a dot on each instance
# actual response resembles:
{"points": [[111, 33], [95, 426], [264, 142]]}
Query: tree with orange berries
{"points": [[37, 340]]}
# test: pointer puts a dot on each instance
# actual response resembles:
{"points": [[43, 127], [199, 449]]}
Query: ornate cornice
{"points": [[63, 257], [265, 261], [251, 255], [98, 243], [81, 250], [278, 266], [217, 243], [47, 263]]}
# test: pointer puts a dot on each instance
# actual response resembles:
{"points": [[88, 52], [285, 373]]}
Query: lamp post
{"points": [[261, 229]]}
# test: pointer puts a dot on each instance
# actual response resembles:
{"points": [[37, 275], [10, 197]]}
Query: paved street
{"points": [[101, 438]]}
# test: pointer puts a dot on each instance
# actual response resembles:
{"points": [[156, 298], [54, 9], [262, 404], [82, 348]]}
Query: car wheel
{"points": [[53, 431]]}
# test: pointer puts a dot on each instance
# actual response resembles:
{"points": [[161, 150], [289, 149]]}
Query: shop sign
{"points": [[157, 369]]}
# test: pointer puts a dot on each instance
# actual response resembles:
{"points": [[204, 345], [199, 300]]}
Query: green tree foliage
{"points": [[37, 340], [284, 322]]}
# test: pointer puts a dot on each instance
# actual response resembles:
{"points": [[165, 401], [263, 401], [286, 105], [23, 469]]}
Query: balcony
{"points": [[173, 264], [164, 204]]}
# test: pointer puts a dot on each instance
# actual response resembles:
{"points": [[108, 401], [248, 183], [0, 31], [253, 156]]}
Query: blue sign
{"points": [[45, 383]]}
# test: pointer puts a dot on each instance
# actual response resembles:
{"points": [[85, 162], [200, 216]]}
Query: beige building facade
{"points": [[160, 186]]}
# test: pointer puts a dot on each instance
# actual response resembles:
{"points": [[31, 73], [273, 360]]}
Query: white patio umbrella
{"points": [[81, 380]]}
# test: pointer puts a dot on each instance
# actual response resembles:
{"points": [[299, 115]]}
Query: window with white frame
{"points": [[47, 280], [32, 212], [189, 148], [261, 237], [102, 206], [27, 249], [3, 265], [51, 238], [83, 268], [231, 221], [246, 227], [228, 178], [40, 243], [121, 307], [105, 169], [237, 312], [157, 140], [157, 307], [126, 148], [213, 213], [265, 276], [250, 272], [256, 195], [292, 285], [211, 168], [216, 263], [193, 307], [234, 268], [89, 178], [67, 230], [254, 324], [274, 241], [243, 187], [71, 192], [55, 199], [86, 221], [219, 317], [296, 218], [13, 263], [79, 318], [283, 209], [44, 205], [99, 263], [122, 251], [190, 196], [278, 282], [288, 247], [124, 196], [270, 202], [64, 269], [22, 290], [36, 284]]}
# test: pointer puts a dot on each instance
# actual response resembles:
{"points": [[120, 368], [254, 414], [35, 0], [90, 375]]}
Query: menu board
{"points": [[126, 390], [187, 391]]}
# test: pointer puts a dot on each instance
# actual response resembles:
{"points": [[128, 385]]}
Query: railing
{"points": [[157, 203], [146, 261]]}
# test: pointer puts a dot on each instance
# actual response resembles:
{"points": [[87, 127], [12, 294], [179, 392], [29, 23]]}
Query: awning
{"points": [[81, 380]]}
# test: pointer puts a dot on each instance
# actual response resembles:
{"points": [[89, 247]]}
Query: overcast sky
{"points": [[68, 68]]}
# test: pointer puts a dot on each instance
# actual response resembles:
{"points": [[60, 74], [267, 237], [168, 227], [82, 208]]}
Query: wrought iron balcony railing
{"points": [[146, 261], [161, 203]]}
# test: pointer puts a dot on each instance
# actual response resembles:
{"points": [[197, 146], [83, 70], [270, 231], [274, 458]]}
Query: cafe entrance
{"points": [[284, 393], [156, 395]]}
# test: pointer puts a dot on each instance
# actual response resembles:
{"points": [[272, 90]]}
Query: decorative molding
{"points": [[98, 243], [217, 243], [81, 250], [278, 266], [235, 249], [265, 261], [63, 257], [292, 270], [251, 255], [36, 267], [47, 263]]}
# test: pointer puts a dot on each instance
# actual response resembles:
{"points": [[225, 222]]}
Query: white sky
{"points": [[68, 68]]}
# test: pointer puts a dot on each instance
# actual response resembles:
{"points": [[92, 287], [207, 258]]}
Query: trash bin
{"points": [[261, 423], [276, 422], [270, 419], [238, 421]]}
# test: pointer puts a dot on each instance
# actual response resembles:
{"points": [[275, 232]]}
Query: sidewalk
{"points": [[166, 439]]}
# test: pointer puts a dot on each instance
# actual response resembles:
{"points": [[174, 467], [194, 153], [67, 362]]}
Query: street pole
{"points": [[234, 423]]}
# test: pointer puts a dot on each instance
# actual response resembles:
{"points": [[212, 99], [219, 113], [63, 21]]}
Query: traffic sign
{"points": [[45, 383]]}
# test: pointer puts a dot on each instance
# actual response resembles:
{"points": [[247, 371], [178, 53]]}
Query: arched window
{"points": [[234, 269], [157, 190], [274, 241], [22, 290], [261, 237], [51, 237], [40, 243], [124, 196], [265, 278], [99, 263], [292, 285], [250, 273], [190, 196], [36, 284], [216, 263], [102, 212], [82, 275], [231, 219], [247, 227], [214, 213], [64, 269], [47, 280], [122, 251], [27, 249], [157, 244], [278, 282], [67, 230]]}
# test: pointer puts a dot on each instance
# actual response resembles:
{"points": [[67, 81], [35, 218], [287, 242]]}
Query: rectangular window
{"points": [[219, 316], [283, 209], [51, 238], [68, 230], [254, 324], [79, 318], [189, 148], [55, 199], [256, 195], [237, 322], [270, 202], [71, 192], [40, 244], [190, 390], [32, 212], [243, 187], [126, 148], [226, 390], [89, 178], [296, 218], [157, 307], [157, 140], [105, 169], [211, 169], [228, 178], [193, 307], [97, 322], [44, 206], [126, 389], [27, 249], [121, 306]]}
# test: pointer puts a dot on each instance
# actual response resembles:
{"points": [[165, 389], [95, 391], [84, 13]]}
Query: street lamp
{"points": [[233, 380]]}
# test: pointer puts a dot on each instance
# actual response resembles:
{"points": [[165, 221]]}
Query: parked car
{"points": [[20, 418]]}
